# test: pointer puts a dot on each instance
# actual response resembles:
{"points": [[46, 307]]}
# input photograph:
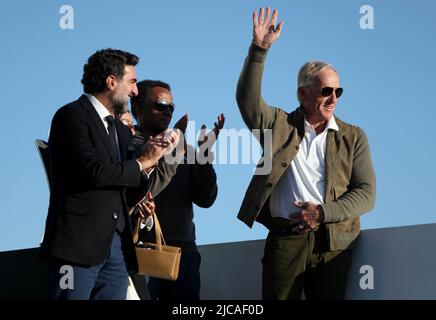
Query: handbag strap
{"points": [[157, 230]]}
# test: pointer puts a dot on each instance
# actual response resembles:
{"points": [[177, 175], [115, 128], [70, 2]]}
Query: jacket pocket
{"points": [[343, 234], [338, 192], [77, 205]]}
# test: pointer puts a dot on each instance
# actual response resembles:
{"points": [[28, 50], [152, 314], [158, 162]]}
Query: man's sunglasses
{"points": [[327, 91], [161, 106]]}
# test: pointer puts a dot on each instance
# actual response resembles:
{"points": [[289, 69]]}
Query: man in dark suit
{"points": [[194, 183], [88, 240]]}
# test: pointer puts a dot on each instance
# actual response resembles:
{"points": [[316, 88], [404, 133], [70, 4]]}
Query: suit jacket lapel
{"points": [[98, 124]]}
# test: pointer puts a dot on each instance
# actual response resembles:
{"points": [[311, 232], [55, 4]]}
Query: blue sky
{"points": [[199, 48]]}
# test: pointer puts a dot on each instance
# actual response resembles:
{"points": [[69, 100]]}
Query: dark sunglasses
{"points": [[161, 106], [327, 91]]}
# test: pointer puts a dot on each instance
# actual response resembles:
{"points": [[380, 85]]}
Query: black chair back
{"points": [[44, 153]]}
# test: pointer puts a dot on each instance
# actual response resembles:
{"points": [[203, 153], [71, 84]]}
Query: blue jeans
{"points": [[106, 281]]}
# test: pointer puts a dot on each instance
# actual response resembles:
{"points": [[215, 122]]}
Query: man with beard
{"points": [[95, 177], [193, 183]]}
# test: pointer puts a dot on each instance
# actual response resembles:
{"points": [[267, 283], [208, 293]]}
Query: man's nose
{"points": [[167, 112], [134, 90], [332, 98]]}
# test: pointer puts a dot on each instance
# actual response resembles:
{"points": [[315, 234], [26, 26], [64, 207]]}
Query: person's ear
{"points": [[111, 82], [301, 93]]}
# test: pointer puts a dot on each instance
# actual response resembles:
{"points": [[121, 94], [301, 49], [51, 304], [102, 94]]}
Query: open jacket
{"points": [[350, 178], [90, 188]]}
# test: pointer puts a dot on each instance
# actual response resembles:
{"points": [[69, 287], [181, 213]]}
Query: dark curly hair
{"points": [[102, 64], [144, 94]]}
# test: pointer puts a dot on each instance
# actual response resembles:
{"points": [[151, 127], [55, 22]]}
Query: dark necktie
{"points": [[113, 136], [121, 221]]}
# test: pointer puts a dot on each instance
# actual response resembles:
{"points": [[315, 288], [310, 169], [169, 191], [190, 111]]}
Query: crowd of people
{"points": [[105, 156]]}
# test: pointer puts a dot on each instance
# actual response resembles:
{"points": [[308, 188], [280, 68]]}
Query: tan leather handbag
{"points": [[157, 259]]}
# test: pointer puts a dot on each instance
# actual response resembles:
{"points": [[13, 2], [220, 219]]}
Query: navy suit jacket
{"points": [[88, 187]]}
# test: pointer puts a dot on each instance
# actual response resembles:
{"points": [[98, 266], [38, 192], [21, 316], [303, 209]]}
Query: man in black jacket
{"points": [[193, 183], [95, 177]]}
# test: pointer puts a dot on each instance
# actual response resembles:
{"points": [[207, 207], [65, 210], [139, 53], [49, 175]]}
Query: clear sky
{"points": [[199, 48]]}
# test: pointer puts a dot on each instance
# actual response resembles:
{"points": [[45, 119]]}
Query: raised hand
{"points": [[212, 135], [182, 123], [265, 33], [219, 124]]}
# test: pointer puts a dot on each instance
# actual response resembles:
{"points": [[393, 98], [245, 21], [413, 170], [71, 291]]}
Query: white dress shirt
{"points": [[103, 113], [304, 180], [101, 110]]}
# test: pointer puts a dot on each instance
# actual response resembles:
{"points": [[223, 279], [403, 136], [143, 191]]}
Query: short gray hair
{"points": [[309, 71]]}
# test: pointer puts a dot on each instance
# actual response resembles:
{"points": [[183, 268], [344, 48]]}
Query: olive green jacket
{"points": [[350, 178]]}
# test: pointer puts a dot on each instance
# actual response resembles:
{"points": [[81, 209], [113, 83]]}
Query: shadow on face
{"points": [[156, 115], [317, 107]]}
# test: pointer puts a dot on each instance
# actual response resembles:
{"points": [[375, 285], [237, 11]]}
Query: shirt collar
{"points": [[331, 124], [99, 107]]}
